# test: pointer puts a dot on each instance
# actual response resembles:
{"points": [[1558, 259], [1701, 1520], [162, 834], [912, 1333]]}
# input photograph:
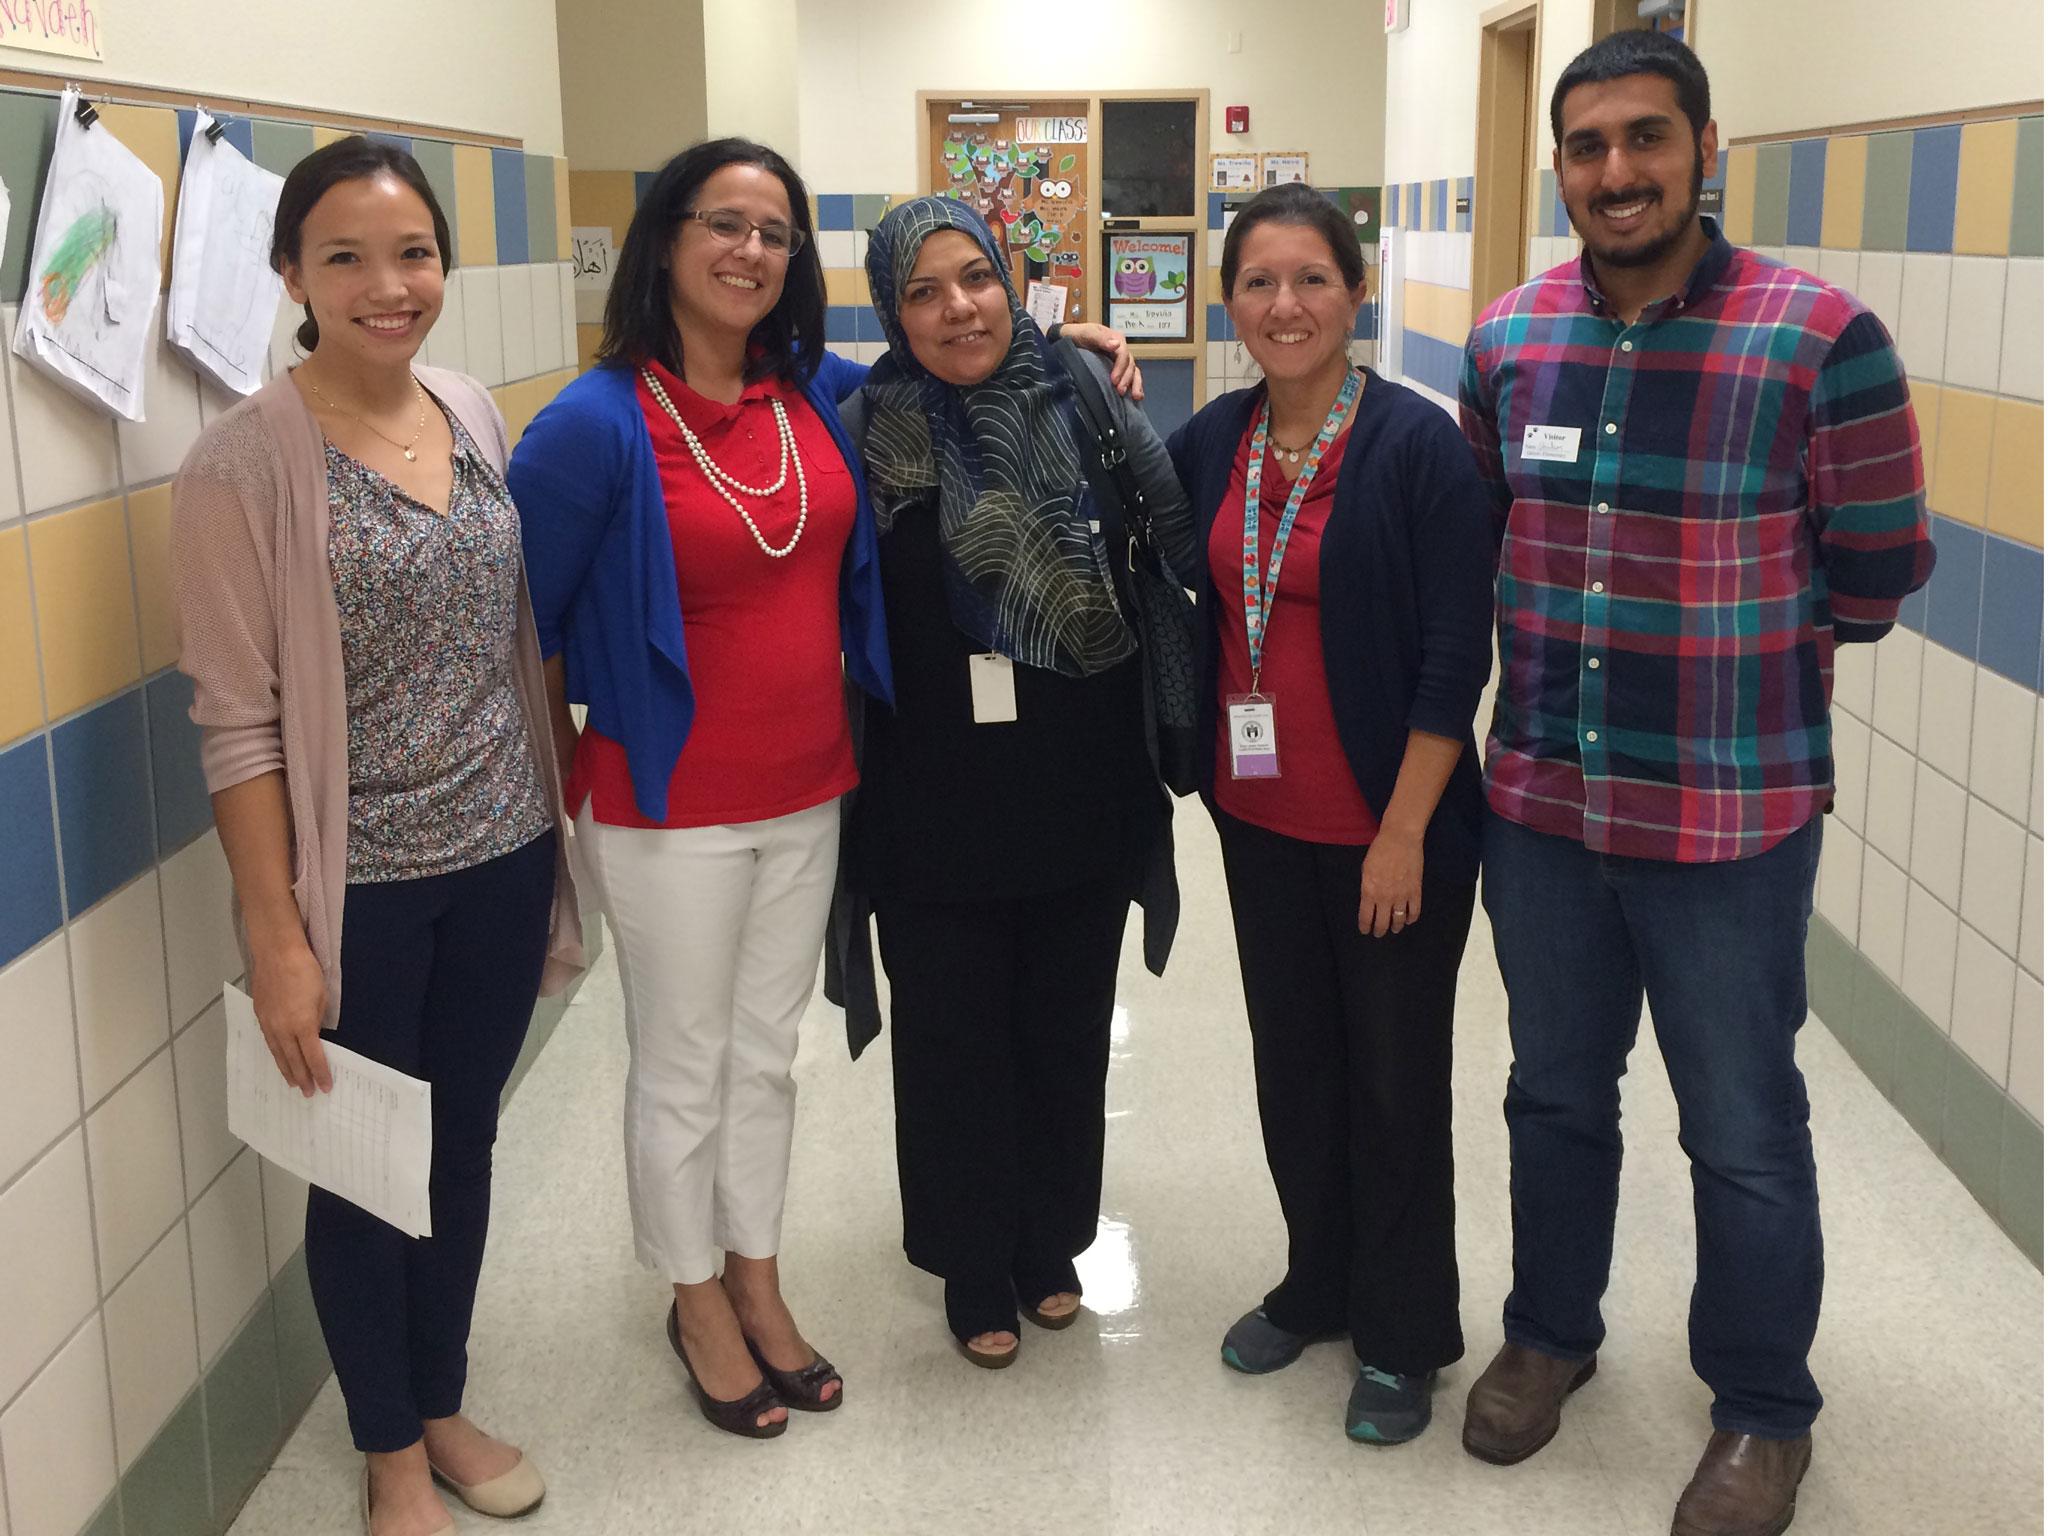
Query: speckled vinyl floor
{"points": [[1930, 1348]]}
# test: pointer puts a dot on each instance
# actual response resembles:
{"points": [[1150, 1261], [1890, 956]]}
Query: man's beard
{"points": [[1659, 246]]}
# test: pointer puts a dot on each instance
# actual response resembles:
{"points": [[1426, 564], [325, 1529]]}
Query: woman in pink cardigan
{"points": [[356, 626]]}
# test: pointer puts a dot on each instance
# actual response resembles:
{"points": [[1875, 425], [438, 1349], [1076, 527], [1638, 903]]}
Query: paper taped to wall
{"points": [[224, 295], [96, 267], [370, 1140]]}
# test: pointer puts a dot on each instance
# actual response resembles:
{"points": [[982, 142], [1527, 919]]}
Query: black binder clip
{"points": [[87, 113], [215, 129]]}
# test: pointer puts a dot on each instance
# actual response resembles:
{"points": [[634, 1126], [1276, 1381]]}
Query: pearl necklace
{"points": [[720, 479]]}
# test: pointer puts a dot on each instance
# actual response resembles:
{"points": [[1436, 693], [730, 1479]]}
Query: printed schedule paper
{"points": [[370, 1141]]}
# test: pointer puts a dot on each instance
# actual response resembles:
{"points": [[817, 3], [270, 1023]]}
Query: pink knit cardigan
{"points": [[261, 641]]}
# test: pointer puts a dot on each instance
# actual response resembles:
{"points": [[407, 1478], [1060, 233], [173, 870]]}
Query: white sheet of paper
{"points": [[1046, 303], [370, 1141], [224, 296]]}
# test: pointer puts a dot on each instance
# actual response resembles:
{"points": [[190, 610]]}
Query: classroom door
{"points": [[1024, 168]]}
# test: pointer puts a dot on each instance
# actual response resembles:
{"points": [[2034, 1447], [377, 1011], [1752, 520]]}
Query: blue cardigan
{"points": [[1407, 594], [600, 564]]}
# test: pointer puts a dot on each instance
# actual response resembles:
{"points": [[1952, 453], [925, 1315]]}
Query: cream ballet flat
{"points": [[505, 1497], [446, 1530]]}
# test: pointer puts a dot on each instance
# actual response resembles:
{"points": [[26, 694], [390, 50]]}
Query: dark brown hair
{"points": [[1294, 203]]}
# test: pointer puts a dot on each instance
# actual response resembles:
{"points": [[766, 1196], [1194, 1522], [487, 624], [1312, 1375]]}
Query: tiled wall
{"points": [[1434, 307], [159, 1337]]}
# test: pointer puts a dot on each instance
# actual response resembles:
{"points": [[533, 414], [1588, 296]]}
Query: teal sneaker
{"points": [[1386, 1409], [1256, 1344]]}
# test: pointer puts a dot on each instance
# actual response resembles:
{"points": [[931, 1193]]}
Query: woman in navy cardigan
{"points": [[1342, 673]]}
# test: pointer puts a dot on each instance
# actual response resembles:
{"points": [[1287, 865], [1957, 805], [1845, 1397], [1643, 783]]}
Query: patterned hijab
{"points": [[1002, 461]]}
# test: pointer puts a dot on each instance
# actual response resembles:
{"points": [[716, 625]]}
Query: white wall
{"points": [[750, 72], [1310, 70], [632, 81], [1433, 91], [486, 66]]}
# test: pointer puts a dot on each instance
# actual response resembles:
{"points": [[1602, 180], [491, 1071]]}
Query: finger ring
{"points": [[1400, 911]]}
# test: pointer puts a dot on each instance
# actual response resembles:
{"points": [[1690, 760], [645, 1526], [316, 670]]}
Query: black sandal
{"points": [[971, 1311], [740, 1416], [802, 1389], [1036, 1288]]}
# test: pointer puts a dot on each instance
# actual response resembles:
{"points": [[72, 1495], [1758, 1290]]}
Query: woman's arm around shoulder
{"points": [[1449, 517], [1173, 523]]}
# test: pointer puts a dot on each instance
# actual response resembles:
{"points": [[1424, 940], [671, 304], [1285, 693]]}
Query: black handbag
{"points": [[1156, 606]]}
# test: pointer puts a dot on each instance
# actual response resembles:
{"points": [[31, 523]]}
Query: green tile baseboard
{"points": [[1991, 1144]]}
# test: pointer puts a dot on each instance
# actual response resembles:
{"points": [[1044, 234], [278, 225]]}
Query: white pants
{"points": [[719, 932]]}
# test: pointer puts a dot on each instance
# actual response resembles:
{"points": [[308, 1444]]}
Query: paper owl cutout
{"points": [[1134, 277]]}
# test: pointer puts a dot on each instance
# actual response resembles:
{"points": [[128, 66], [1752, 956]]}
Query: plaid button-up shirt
{"points": [[1736, 486]]}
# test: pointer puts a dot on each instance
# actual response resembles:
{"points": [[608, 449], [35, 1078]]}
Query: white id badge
{"points": [[1550, 445], [1254, 747], [992, 679]]}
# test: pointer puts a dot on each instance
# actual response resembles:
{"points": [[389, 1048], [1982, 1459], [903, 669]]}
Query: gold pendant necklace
{"points": [[405, 448]]}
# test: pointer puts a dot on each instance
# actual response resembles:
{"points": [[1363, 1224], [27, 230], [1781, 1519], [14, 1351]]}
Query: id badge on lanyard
{"points": [[1254, 744]]}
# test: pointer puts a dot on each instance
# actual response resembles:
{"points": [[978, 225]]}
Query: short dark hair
{"points": [[354, 158], [639, 326], [1295, 203], [1637, 53]]}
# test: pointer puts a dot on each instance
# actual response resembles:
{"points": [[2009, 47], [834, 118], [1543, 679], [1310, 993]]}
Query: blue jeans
{"points": [[1720, 950]]}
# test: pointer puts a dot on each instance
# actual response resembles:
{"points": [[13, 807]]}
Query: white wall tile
{"points": [[1770, 252], [1994, 869], [2003, 742], [835, 248], [565, 289], [1948, 686], [1802, 258], [199, 928], [1930, 972], [228, 1265], [1888, 814], [515, 307], [284, 348], [117, 960], [1895, 709], [483, 335], [1983, 1003], [2035, 819], [151, 1350], [590, 304], [39, 1086], [284, 1215], [46, 1284], [447, 346], [215, 402], [860, 248], [1976, 321], [68, 445], [545, 295], [1852, 769], [1939, 808], [1839, 268], [138, 1189], [1855, 679], [57, 1439], [1923, 314], [153, 449], [1880, 279], [10, 481], [201, 1059], [1881, 928], [1839, 892], [2030, 909], [2019, 357], [2024, 1081]]}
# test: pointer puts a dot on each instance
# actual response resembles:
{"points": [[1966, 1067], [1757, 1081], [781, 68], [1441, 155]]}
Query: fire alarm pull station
{"points": [[1237, 119]]}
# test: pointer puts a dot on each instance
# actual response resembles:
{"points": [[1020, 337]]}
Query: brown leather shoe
{"points": [[1745, 1485], [1516, 1404]]}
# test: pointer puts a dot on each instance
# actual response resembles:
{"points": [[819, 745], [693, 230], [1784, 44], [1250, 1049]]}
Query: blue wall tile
{"points": [[1955, 593], [1809, 179], [642, 180], [2010, 639], [867, 324], [835, 210], [184, 810], [103, 799], [840, 324], [1216, 209], [1219, 324], [241, 132], [1465, 190], [30, 909], [508, 190], [1431, 362], [1390, 207], [395, 140], [1720, 175], [1931, 203], [1169, 393], [1367, 325]]}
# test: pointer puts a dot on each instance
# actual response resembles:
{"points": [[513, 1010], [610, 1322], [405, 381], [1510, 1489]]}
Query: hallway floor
{"points": [[1930, 1348]]}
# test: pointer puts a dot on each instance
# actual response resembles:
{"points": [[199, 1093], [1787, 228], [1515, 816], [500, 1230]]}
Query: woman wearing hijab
{"points": [[1010, 807]]}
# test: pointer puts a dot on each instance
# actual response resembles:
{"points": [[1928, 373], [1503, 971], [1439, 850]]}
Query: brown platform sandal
{"points": [[1055, 1320], [802, 1389], [739, 1416]]}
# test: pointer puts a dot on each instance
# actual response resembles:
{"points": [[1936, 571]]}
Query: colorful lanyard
{"points": [[1258, 605]]}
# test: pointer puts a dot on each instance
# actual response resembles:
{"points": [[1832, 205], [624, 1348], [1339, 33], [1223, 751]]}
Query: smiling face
{"points": [[1629, 169], [954, 309], [370, 270], [1289, 303], [716, 286]]}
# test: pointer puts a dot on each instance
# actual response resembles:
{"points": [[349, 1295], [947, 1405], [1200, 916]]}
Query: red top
{"points": [[1315, 798], [769, 737]]}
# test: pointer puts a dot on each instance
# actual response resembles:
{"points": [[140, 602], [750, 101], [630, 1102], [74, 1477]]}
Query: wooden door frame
{"points": [[1500, 179]]}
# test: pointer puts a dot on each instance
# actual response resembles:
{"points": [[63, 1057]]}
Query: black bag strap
{"points": [[1110, 455]]}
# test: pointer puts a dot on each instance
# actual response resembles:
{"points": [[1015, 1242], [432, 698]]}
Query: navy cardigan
{"points": [[600, 563], [1407, 593]]}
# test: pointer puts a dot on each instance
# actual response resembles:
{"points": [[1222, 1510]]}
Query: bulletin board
{"points": [[1027, 174]]}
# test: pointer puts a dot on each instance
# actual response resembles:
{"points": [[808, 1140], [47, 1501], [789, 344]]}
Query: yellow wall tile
{"points": [[85, 605], [1984, 187], [1962, 460], [152, 133], [847, 285], [2016, 471], [149, 532], [1445, 313], [587, 338], [324, 135], [564, 245], [602, 198], [476, 218], [1841, 213], [1738, 211], [21, 698], [1926, 402]]}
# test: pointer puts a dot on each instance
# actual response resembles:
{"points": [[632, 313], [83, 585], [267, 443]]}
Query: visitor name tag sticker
{"points": [[1254, 746], [1550, 445], [992, 681]]}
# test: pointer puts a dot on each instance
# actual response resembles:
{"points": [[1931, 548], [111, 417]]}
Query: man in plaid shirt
{"points": [[1707, 477]]}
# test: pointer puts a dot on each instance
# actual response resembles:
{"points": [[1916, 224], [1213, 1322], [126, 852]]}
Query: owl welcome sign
{"points": [[1149, 287]]}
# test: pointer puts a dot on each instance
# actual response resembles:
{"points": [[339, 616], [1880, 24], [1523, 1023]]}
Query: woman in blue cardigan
{"points": [[1345, 633], [702, 558]]}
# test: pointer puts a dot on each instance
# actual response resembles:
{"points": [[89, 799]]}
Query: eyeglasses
{"points": [[730, 228]]}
